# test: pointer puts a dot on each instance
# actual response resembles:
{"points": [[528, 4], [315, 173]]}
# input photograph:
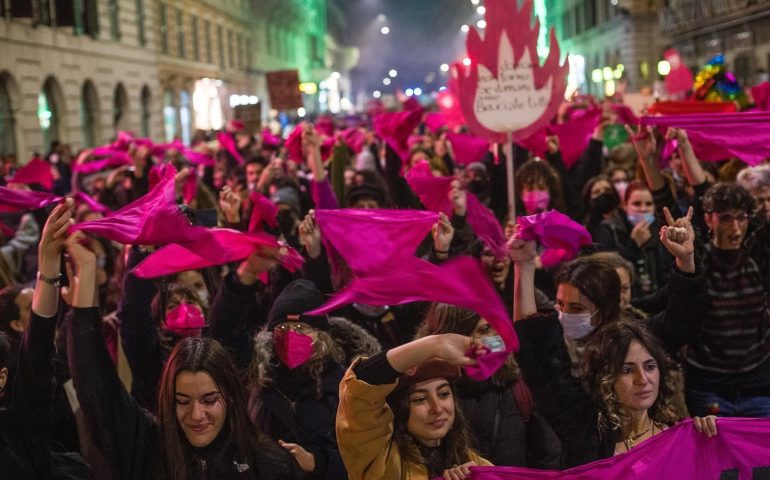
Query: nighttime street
{"points": [[384, 239]]}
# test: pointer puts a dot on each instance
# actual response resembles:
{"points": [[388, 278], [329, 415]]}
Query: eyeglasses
{"points": [[728, 218], [295, 327]]}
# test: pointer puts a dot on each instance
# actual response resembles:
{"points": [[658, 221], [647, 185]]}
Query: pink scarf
{"points": [[35, 171], [719, 136], [434, 195], [14, 199], [217, 246], [152, 219], [574, 137], [467, 148], [395, 129], [262, 210], [561, 236]]}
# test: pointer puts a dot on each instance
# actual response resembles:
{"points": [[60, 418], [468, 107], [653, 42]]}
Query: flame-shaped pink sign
{"points": [[505, 90]]}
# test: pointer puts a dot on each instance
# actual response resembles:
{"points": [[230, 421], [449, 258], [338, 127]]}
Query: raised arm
{"points": [[523, 253], [693, 170], [122, 430]]}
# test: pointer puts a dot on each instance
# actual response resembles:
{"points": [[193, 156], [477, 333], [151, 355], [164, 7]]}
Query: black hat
{"points": [[298, 297], [366, 190]]}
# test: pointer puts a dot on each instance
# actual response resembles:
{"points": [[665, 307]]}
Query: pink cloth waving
{"points": [[719, 136], [561, 236], [217, 247], [13, 199], [35, 171], [395, 129], [152, 219]]}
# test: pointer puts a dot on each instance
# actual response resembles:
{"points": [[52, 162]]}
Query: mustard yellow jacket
{"points": [[365, 434]]}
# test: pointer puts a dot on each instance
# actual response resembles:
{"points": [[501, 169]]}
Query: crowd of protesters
{"points": [[221, 372]]}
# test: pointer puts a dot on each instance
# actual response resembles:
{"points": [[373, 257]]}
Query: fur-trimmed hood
{"points": [[353, 339]]}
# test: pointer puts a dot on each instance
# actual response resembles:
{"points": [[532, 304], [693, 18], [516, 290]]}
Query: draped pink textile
{"points": [[761, 95], [227, 142], [114, 159], [82, 197], [14, 199], [379, 246], [216, 247], [294, 144], [625, 114], [574, 137], [467, 148], [262, 210], [435, 121], [152, 219], [719, 136], [396, 127], [269, 140], [354, 139], [461, 281], [680, 452], [35, 171], [190, 187], [561, 236], [434, 195], [368, 239], [325, 125]]}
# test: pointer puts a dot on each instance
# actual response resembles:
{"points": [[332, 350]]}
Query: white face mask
{"points": [[576, 325]]}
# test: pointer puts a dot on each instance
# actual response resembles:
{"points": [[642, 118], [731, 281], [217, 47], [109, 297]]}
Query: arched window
{"points": [[114, 10], [89, 114], [50, 108], [7, 118], [120, 108], [146, 111]]}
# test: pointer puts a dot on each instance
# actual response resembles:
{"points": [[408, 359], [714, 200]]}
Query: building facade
{"points": [[78, 71], [739, 29], [75, 72], [612, 44]]}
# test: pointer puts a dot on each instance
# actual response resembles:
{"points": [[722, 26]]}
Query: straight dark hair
{"points": [[194, 354], [597, 280]]}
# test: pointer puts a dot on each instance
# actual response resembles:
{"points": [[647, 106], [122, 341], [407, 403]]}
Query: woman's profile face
{"points": [[483, 329], [200, 407], [637, 385], [431, 411]]}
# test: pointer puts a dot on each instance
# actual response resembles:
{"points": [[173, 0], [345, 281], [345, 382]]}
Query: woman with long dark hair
{"points": [[398, 417], [202, 429]]}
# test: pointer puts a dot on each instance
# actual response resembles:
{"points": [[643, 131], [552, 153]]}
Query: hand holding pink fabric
{"points": [[561, 236]]}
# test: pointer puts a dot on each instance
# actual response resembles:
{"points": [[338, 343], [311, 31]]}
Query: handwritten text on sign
{"points": [[510, 102]]}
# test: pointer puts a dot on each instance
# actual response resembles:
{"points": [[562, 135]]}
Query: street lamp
{"points": [[482, 24], [393, 72], [386, 81], [664, 68], [376, 94], [444, 67], [465, 28], [481, 9], [385, 30]]}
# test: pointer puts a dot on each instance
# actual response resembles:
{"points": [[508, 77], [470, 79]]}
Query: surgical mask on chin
{"points": [[293, 349], [576, 325], [635, 218]]}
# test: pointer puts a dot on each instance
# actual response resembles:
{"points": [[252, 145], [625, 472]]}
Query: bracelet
{"points": [[55, 282]]}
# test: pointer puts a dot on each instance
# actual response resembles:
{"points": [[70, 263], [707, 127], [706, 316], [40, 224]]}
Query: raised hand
{"points": [[459, 472], [553, 143], [522, 251], [53, 238], [305, 459], [678, 237], [443, 232], [459, 198], [310, 235], [230, 203], [641, 233], [258, 262]]}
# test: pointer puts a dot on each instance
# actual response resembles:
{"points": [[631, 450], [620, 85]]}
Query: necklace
{"points": [[631, 439]]}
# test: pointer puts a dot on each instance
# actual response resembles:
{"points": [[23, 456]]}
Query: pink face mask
{"points": [[185, 319], [535, 201], [294, 349]]}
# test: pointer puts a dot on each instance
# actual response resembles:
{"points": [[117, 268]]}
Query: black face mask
{"points": [[287, 221], [604, 203]]}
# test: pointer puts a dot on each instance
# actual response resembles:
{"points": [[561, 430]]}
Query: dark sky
{"points": [[423, 35]]}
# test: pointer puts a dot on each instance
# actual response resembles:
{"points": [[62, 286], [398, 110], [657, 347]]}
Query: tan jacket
{"points": [[365, 434]]}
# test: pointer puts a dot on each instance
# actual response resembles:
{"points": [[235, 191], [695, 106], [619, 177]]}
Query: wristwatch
{"points": [[54, 282]]}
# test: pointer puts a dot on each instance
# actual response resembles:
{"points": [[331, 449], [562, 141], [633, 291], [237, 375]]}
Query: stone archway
{"points": [[90, 115]]}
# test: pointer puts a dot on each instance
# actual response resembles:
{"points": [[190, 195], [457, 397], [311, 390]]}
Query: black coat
{"points": [[129, 436]]}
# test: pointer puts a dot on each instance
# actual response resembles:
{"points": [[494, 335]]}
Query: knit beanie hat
{"points": [[298, 297]]}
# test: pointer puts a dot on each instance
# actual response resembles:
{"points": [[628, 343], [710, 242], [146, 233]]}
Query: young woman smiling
{"points": [[202, 429], [397, 416]]}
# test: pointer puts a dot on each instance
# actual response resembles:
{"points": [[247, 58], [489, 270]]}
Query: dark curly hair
{"points": [[723, 197], [538, 173], [603, 361]]}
